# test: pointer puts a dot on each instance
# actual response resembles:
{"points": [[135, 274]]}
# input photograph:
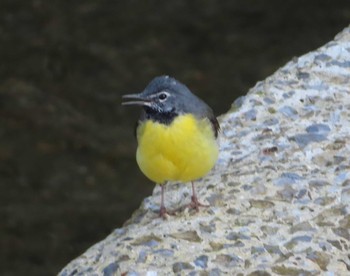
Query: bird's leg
{"points": [[195, 204], [162, 211]]}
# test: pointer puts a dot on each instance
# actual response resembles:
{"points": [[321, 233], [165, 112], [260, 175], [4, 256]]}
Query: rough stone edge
{"points": [[296, 62]]}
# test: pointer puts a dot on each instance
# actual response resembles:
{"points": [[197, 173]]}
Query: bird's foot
{"points": [[195, 204], [163, 212]]}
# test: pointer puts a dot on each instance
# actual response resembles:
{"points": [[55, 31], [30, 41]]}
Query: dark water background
{"points": [[68, 174]]}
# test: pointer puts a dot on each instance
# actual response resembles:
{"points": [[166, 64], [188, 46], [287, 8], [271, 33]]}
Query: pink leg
{"points": [[162, 211], [194, 200]]}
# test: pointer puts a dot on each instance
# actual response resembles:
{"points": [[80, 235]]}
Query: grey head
{"points": [[164, 98]]}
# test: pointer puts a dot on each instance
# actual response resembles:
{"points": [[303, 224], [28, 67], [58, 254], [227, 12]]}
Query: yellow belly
{"points": [[183, 151]]}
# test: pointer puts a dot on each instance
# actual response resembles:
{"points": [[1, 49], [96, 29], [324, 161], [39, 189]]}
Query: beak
{"points": [[136, 99]]}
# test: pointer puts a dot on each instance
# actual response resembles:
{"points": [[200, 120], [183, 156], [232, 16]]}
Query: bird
{"points": [[176, 135]]}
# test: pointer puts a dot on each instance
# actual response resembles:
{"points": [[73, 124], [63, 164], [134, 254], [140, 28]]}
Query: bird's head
{"points": [[162, 95]]}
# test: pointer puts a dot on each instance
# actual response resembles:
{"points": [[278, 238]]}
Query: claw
{"points": [[162, 212], [195, 204]]}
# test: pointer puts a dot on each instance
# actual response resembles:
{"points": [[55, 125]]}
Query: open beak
{"points": [[136, 99]]}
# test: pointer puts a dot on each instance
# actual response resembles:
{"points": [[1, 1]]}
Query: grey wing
{"points": [[207, 112], [215, 124]]}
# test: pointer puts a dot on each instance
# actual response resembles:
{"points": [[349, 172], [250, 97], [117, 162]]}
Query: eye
{"points": [[162, 96]]}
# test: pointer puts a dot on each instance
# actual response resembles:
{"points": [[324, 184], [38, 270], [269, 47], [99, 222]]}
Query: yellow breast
{"points": [[183, 151]]}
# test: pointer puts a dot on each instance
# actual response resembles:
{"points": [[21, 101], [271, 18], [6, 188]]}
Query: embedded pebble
{"points": [[269, 100], [250, 115], [302, 226], [262, 204], [345, 222], [236, 236], [150, 240], [291, 271], [304, 139], [318, 183], [321, 258], [287, 193], [288, 94], [110, 269], [164, 252], [215, 246], [201, 261], [345, 195], [215, 272], [271, 122], [259, 273], [287, 178], [297, 241], [279, 194], [188, 236], [257, 250], [342, 232], [178, 267], [273, 249], [336, 244], [227, 260], [289, 112], [142, 256], [318, 128]]}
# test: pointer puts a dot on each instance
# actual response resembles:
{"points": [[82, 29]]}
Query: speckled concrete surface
{"points": [[279, 194]]}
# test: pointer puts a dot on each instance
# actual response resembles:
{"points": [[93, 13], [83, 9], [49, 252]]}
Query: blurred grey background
{"points": [[68, 174]]}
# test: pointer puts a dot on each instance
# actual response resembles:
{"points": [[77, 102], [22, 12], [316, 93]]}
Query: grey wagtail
{"points": [[176, 135]]}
